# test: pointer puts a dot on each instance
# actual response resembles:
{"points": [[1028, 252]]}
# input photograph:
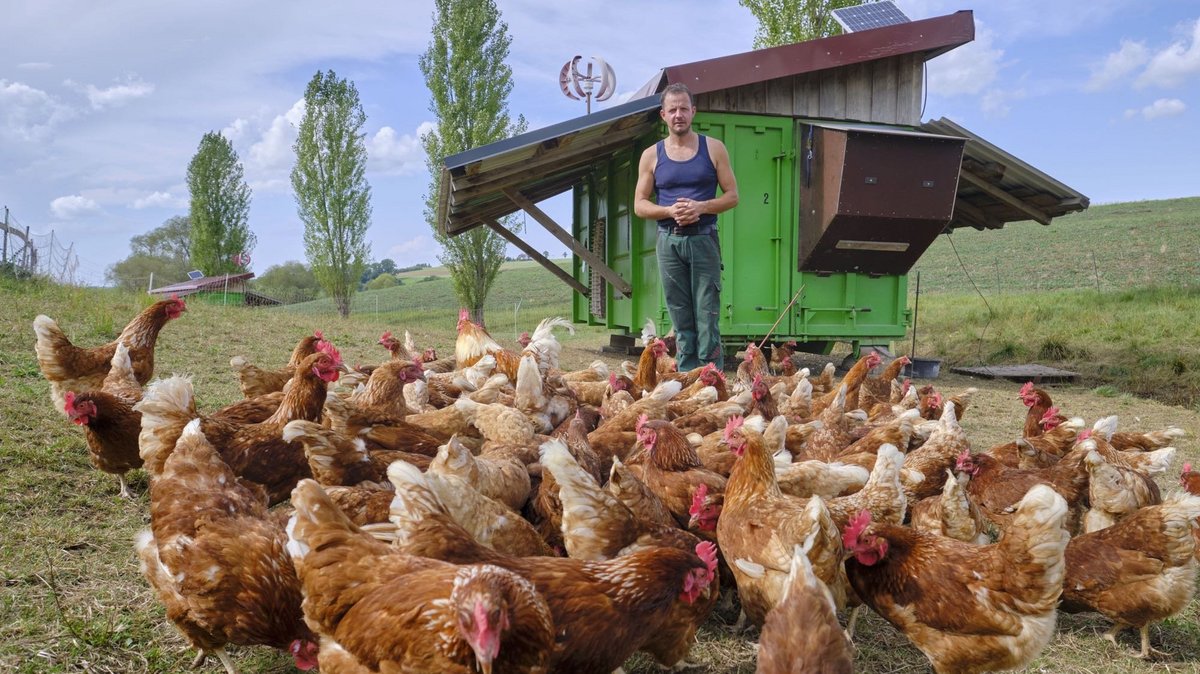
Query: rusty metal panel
{"points": [[874, 198]]}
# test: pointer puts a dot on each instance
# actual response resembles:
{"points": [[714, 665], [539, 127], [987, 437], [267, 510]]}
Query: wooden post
{"points": [[6, 235]]}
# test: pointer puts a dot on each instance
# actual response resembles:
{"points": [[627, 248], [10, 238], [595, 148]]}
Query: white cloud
{"points": [[997, 102], [273, 151], [235, 130], [118, 94], [970, 69], [73, 206], [420, 248], [1174, 64], [158, 200], [1117, 65], [1163, 107], [27, 113], [35, 65], [393, 153]]}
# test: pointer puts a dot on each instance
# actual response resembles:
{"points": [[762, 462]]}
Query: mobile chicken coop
{"points": [[841, 187]]}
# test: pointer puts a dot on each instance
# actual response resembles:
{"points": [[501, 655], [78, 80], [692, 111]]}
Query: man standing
{"points": [[683, 171]]}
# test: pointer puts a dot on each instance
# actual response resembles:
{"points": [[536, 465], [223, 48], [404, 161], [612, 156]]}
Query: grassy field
{"points": [[73, 599]]}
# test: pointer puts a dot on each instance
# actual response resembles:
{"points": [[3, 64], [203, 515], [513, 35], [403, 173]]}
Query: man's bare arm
{"points": [[643, 207], [725, 178]]}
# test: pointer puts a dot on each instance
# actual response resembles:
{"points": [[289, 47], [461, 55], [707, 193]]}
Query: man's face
{"points": [[677, 112]]}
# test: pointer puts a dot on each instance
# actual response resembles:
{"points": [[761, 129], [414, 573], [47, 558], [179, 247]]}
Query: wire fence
{"points": [[26, 254]]}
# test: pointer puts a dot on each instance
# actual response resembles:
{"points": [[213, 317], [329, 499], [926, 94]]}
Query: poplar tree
{"points": [[333, 198], [469, 85], [219, 207], [789, 21]]}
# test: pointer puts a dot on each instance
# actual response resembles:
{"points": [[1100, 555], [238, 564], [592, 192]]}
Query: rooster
{"points": [[71, 368], [474, 342], [969, 608], [217, 558]]}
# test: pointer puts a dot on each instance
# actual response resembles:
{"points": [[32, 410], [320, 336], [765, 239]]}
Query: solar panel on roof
{"points": [[196, 274], [869, 15]]}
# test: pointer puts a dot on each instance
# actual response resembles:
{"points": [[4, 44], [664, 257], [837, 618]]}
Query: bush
{"points": [[382, 281]]}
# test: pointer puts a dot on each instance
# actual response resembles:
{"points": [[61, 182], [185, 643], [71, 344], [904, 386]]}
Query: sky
{"points": [[102, 105]]}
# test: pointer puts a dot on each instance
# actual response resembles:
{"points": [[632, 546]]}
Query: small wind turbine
{"points": [[576, 85]]}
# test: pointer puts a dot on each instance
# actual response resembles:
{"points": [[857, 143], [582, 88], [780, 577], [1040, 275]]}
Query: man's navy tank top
{"points": [[694, 179]]}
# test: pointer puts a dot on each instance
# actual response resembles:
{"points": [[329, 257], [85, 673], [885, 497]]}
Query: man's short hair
{"points": [[676, 88]]}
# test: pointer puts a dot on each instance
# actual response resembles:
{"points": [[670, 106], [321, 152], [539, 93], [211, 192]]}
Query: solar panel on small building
{"points": [[195, 274], [869, 15]]}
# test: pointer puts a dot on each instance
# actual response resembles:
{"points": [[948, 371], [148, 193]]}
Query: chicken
{"points": [[474, 342], [645, 379], [997, 488], [753, 362], [380, 610], [541, 402], [617, 397], [952, 513], [878, 390], [781, 357], [833, 435], [760, 526], [652, 405], [363, 505], [384, 390], [670, 467], [852, 380], [882, 495], [969, 608], [761, 400], [817, 478], [255, 381], [487, 520], [497, 477], [629, 489], [256, 452], [632, 596], [1138, 571], [1114, 491], [71, 368], [1039, 403], [945, 444], [336, 459], [217, 558], [798, 405], [111, 425], [497, 422], [1038, 451], [384, 431], [801, 635]]}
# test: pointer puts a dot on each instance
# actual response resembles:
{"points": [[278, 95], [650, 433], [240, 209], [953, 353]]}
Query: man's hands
{"points": [[685, 211]]}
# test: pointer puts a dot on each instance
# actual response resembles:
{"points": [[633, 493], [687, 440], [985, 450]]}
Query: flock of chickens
{"points": [[491, 512]]}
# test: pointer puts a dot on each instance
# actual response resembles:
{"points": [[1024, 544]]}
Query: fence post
{"points": [[6, 235], [30, 254], [150, 285]]}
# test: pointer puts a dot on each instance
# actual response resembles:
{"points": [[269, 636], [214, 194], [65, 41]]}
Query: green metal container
{"points": [[759, 240]]}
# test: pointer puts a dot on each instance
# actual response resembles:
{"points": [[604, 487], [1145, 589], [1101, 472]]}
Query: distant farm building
{"points": [[228, 290]]}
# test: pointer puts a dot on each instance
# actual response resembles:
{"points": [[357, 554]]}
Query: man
{"points": [[683, 171]]}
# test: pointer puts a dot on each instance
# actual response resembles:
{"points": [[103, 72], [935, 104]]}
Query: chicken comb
{"points": [[963, 458], [464, 315], [757, 379], [707, 551], [612, 380], [327, 348], [734, 423], [1084, 435], [69, 405], [906, 385], [1027, 389], [318, 334], [1187, 467], [385, 336], [641, 422], [698, 499], [1050, 414], [854, 529]]}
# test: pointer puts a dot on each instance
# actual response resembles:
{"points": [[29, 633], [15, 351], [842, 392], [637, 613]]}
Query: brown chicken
{"points": [[1041, 450], [878, 390], [632, 596], [943, 447], [71, 368], [380, 610], [498, 477], [336, 459], [952, 513], [802, 635], [852, 380], [760, 526], [1039, 403], [969, 608], [474, 342], [996, 488], [1114, 491], [256, 452], [217, 558], [670, 467], [255, 381], [1138, 571], [111, 425]]}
